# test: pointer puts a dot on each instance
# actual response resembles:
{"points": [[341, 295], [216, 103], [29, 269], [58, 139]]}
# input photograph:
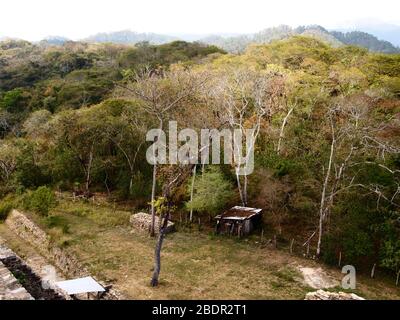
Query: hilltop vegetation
{"points": [[326, 157]]}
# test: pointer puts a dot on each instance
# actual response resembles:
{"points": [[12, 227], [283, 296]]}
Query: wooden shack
{"points": [[238, 221]]}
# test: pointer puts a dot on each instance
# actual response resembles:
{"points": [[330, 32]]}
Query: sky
{"points": [[75, 19]]}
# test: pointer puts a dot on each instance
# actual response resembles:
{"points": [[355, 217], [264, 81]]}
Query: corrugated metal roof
{"points": [[239, 213]]}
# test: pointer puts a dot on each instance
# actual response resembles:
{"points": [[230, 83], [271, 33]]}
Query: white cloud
{"points": [[75, 19]]}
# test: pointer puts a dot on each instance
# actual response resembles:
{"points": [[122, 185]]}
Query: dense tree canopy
{"points": [[327, 156]]}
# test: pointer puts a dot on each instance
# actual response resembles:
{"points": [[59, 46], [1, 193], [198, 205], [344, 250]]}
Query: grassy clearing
{"points": [[195, 265]]}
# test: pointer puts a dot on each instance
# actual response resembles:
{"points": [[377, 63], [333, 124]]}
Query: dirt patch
{"points": [[317, 278]]}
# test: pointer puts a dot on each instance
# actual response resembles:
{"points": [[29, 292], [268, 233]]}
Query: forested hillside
{"points": [[327, 156]]}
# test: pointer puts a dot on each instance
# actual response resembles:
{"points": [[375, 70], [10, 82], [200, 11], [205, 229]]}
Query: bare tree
{"points": [[128, 137], [160, 93], [248, 98], [352, 138], [281, 133]]}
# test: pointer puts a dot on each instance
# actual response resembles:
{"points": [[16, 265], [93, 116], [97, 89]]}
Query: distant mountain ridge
{"points": [[128, 37], [55, 40], [238, 43], [366, 40], [334, 38]]}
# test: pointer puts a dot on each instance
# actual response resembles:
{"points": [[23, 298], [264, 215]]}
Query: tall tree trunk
{"points": [[130, 183], [157, 252], [153, 195], [191, 193], [153, 191], [245, 190], [239, 187], [323, 194], [281, 135], [89, 168]]}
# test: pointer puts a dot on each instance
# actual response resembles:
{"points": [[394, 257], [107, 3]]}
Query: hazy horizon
{"points": [[79, 19]]}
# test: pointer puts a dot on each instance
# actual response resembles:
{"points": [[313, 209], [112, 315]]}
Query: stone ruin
{"points": [[142, 222], [13, 267], [20, 282], [326, 295]]}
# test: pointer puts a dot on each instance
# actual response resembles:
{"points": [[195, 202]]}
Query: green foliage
{"points": [[29, 174], [57, 222], [68, 121], [391, 254], [212, 192], [282, 165], [161, 206], [41, 201], [12, 101], [153, 56], [5, 208]]}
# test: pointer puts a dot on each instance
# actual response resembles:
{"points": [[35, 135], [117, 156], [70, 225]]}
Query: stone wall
{"points": [[31, 233], [66, 262], [10, 288]]}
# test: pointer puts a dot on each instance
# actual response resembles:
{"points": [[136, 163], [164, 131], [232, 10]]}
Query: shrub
{"points": [[5, 208], [58, 222], [40, 201], [212, 192]]}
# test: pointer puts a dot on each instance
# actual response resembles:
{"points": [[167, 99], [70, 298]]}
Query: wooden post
{"points": [[308, 243], [340, 258], [373, 271], [262, 235], [291, 246], [397, 280], [216, 226]]}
